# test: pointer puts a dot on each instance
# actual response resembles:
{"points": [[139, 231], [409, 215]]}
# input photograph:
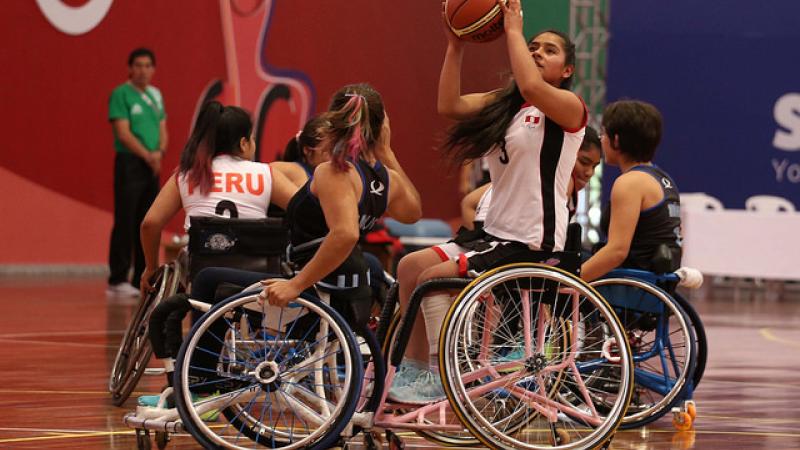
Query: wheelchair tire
{"points": [[477, 371], [700, 337], [292, 386], [663, 343], [134, 350]]}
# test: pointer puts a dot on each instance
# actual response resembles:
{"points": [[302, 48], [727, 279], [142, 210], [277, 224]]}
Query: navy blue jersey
{"points": [[659, 225], [307, 220], [306, 167]]}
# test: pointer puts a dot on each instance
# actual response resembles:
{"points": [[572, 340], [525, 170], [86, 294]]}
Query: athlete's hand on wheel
{"points": [[279, 292], [144, 284]]}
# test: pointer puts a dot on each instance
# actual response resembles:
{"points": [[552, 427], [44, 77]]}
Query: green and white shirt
{"points": [[143, 110]]}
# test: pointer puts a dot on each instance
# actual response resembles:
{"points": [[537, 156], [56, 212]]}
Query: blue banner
{"points": [[726, 76]]}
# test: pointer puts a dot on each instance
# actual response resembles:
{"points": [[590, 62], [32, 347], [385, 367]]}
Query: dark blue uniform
{"points": [[658, 231], [349, 283]]}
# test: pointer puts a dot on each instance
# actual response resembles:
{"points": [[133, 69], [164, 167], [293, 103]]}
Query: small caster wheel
{"points": [[691, 409], [162, 439], [681, 420], [142, 439]]}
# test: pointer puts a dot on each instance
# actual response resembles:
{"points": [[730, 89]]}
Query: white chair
{"points": [[768, 203], [700, 201]]}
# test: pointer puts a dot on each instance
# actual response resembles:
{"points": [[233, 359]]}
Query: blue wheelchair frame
{"points": [[662, 347]]}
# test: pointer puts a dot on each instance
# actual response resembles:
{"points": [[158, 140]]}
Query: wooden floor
{"points": [[59, 336]]}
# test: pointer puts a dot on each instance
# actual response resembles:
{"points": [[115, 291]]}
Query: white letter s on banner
{"points": [[787, 114]]}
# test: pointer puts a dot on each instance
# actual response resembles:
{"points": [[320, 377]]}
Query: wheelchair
{"points": [[213, 241], [668, 342], [135, 350], [297, 377]]}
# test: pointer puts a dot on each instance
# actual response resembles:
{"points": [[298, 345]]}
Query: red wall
{"points": [[56, 156]]}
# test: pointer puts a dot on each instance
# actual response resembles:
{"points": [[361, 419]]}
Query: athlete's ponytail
{"points": [[217, 131], [355, 120], [474, 137]]}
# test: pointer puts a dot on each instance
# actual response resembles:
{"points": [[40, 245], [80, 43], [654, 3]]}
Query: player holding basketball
{"points": [[530, 131]]}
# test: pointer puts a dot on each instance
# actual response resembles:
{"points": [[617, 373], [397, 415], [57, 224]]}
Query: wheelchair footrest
{"points": [[133, 420], [155, 371]]}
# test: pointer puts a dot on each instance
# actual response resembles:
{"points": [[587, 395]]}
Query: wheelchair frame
{"points": [[677, 389], [564, 409]]}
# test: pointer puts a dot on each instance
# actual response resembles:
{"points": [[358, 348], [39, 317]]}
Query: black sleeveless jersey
{"points": [[307, 221], [658, 226], [306, 167]]}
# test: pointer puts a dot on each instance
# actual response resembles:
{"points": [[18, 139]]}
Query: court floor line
{"points": [[71, 434], [41, 392], [750, 419], [81, 435], [63, 344], [767, 334], [47, 430], [61, 333]]}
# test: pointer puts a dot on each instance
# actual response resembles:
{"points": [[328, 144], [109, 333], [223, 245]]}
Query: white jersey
{"points": [[483, 206], [241, 189], [530, 177]]}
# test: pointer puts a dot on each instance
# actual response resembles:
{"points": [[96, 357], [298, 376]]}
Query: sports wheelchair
{"points": [[297, 377], [668, 342], [251, 244]]}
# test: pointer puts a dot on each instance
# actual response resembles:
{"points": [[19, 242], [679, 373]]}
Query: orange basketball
{"points": [[475, 20]]}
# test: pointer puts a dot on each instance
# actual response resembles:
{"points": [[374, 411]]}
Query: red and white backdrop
{"points": [[280, 59]]}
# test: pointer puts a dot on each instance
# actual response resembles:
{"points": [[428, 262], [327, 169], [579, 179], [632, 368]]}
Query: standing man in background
{"points": [[136, 113]]}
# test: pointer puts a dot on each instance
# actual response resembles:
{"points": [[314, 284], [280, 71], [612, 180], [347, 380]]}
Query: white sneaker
{"points": [[122, 290]]}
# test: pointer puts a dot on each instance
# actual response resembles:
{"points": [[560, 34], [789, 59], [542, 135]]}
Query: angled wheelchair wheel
{"points": [[663, 344], [699, 335], [134, 349], [374, 371], [282, 377], [535, 384]]}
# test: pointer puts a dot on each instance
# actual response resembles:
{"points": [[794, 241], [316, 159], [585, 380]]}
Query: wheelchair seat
{"points": [[257, 245], [568, 260]]}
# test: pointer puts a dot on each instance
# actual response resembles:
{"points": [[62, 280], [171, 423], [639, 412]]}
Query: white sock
{"points": [[434, 308], [169, 364]]}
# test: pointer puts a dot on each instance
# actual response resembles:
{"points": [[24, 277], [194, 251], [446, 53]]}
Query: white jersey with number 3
{"points": [[530, 177], [239, 185]]}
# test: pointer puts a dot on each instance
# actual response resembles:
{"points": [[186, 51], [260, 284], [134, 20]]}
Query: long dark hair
{"points": [[218, 131], [308, 137], [476, 136], [355, 120]]}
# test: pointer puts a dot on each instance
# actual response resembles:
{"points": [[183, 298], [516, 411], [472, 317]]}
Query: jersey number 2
{"points": [[229, 206]]}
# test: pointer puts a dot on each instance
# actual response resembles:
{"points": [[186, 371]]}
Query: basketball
{"points": [[475, 20]]}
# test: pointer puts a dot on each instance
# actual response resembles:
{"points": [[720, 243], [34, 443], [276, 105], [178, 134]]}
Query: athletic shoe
{"points": [[122, 290], [427, 388], [406, 374], [152, 401]]}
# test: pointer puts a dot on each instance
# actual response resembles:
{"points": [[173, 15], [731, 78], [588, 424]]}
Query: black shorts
{"points": [[491, 252]]}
